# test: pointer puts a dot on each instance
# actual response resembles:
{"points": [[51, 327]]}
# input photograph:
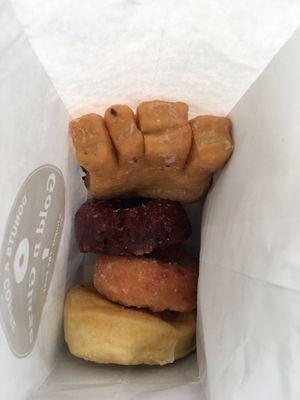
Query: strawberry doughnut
{"points": [[155, 283]]}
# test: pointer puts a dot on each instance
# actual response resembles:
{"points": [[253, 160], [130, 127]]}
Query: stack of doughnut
{"points": [[141, 305]]}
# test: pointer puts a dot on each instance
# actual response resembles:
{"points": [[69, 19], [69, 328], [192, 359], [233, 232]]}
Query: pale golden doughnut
{"points": [[104, 332]]}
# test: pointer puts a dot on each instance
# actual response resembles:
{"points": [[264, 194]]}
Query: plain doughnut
{"points": [[104, 332]]}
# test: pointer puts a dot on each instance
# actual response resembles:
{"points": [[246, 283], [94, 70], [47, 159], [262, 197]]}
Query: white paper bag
{"points": [[250, 263], [40, 189], [207, 54]]}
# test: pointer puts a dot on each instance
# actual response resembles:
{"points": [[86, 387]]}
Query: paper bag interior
{"points": [[248, 320]]}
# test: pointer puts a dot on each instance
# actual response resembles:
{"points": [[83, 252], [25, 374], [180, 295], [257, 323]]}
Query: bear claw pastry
{"points": [[158, 153]]}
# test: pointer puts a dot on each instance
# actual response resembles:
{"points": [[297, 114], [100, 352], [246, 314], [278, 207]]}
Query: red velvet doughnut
{"points": [[134, 226]]}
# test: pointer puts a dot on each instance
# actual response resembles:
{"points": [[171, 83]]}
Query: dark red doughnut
{"points": [[134, 226]]}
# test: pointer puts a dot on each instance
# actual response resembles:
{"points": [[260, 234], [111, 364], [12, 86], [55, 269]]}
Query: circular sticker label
{"points": [[28, 253]]}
